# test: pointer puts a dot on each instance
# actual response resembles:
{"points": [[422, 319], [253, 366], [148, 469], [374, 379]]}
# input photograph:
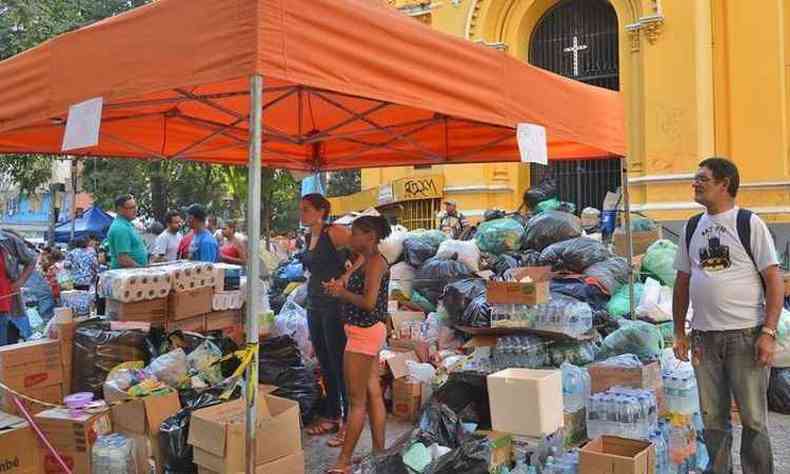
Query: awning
{"points": [[347, 84]]}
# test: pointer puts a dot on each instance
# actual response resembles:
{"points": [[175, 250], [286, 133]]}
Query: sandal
{"points": [[338, 439], [323, 427]]}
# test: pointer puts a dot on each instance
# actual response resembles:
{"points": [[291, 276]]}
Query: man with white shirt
{"points": [[166, 244], [727, 267]]}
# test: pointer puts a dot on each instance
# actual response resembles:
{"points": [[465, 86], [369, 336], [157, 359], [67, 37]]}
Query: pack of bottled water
{"points": [[625, 412], [567, 463], [519, 351], [576, 386], [114, 454], [680, 389], [662, 451], [561, 315]]}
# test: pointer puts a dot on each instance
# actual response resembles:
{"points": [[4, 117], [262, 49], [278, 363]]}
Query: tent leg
{"points": [[253, 262], [628, 235]]}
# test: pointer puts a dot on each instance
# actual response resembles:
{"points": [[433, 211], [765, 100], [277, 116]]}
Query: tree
{"points": [[343, 183]]}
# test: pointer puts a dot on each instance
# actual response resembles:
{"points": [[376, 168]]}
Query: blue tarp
{"points": [[93, 221]]}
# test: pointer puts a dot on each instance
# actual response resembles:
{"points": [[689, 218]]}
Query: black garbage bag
{"points": [[531, 258], [436, 273], [174, 432], [612, 273], [604, 322], [579, 289], [544, 191], [779, 391], [277, 301], [478, 313], [550, 227], [439, 424], [471, 457], [458, 295], [575, 255], [281, 365], [466, 393], [417, 251], [390, 461], [493, 214], [98, 349], [502, 263]]}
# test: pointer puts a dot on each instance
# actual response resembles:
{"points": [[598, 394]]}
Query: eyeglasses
{"points": [[701, 178]]}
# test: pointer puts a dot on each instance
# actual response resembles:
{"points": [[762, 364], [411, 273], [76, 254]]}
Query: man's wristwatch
{"points": [[769, 331]]}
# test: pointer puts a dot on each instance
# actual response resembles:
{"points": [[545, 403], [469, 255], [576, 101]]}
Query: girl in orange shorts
{"points": [[363, 312]]}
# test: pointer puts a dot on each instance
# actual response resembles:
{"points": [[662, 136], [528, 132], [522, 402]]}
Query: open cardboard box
{"points": [[613, 455], [515, 292], [217, 433]]}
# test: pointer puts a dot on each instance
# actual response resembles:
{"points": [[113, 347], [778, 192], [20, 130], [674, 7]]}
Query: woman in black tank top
{"points": [[326, 260]]}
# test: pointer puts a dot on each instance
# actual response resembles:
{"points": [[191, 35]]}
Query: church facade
{"points": [[698, 77]]}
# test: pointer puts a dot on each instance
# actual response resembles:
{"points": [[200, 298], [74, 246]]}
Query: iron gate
{"points": [[578, 39]]}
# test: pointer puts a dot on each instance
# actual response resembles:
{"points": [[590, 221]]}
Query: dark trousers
{"points": [[725, 366], [329, 342]]}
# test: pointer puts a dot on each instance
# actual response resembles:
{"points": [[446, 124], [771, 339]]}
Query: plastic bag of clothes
{"points": [[544, 191], [619, 303], [417, 251], [499, 236], [581, 290], [458, 295], [174, 433], [502, 263], [466, 393], [392, 247], [281, 365], [465, 251], [604, 323], [575, 255], [531, 258], [437, 273], [292, 321], [170, 368], [478, 313], [471, 457], [549, 228], [779, 391], [98, 349], [493, 214], [659, 260], [612, 273], [441, 425], [422, 302], [634, 337], [434, 237], [401, 281], [202, 363], [548, 205]]}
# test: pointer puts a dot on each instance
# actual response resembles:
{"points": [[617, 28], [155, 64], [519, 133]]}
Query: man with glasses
{"points": [[727, 267], [127, 248]]}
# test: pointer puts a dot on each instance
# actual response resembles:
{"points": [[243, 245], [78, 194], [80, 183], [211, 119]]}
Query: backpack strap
{"points": [[744, 225], [691, 227]]}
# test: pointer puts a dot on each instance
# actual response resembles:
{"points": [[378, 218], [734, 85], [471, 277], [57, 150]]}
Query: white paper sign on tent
{"points": [[532, 143], [82, 125]]}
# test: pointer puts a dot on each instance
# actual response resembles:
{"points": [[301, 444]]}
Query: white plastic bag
{"points": [[467, 252], [782, 354], [656, 302], [392, 246], [292, 321], [170, 368], [423, 373], [401, 280]]}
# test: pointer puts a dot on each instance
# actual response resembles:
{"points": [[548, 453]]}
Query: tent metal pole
{"points": [[253, 263], [628, 235], [74, 171]]}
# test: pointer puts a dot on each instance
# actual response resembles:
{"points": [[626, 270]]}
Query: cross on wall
{"points": [[575, 49]]}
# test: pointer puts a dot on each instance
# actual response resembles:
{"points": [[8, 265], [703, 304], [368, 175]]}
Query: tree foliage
{"points": [[343, 183]]}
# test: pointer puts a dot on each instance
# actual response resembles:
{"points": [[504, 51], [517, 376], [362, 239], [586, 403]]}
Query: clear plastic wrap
{"points": [[292, 321]]}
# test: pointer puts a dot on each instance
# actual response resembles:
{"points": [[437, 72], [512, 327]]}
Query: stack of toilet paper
{"points": [[226, 276], [186, 276], [78, 301], [228, 300], [130, 285]]}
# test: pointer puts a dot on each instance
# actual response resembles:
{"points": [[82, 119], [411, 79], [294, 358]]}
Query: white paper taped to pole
{"points": [[532, 143], [82, 125]]}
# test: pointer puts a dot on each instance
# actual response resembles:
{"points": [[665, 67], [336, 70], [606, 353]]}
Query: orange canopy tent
{"points": [[306, 85], [347, 84]]}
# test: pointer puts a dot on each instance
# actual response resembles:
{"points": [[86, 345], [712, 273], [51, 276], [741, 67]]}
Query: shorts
{"points": [[367, 341]]}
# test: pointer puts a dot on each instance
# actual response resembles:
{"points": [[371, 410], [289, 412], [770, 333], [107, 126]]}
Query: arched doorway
{"points": [[579, 39]]}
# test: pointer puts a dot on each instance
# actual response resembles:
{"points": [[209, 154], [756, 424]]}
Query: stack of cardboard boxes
{"points": [[18, 453], [217, 435], [73, 436], [34, 369]]}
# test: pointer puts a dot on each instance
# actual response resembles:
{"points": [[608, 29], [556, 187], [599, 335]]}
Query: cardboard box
{"points": [[220, 320], [400, 317], [66, 431], [612, 455], [515, 292], [18, 447], [196, 324], [510, 390], [424, 350], [50, 394], [24, 353], [154, 311], [575, 429], [293, 464], [408, 397], [78, 460], [397, 363], [501, 449], [140, 418], [604, 377], [641, 240], [217, 433], [188, 304], [34, 375], [65, 336]]}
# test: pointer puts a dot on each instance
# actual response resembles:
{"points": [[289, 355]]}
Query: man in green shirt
{"points": [[126, 246]]}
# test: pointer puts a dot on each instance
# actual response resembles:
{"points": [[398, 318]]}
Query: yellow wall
{"points": [[712, 81]]}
